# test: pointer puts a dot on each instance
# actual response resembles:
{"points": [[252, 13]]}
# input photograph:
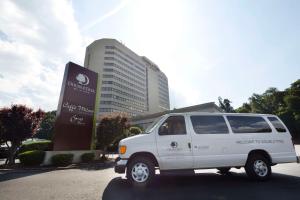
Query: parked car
{"points": [[191, 141]]}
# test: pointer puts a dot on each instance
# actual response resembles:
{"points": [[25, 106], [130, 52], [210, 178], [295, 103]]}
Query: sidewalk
{"points": [[85, 166], [96, 164], [2, 161]]}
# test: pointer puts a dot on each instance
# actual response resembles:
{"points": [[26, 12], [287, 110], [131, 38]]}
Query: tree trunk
{"points": [[104, 153], [7, 158], [12, 152]]}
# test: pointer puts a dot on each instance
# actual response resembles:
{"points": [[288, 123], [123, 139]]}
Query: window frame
{"points": [[164, 120], [208, 115], [249, 132], [279, 120]]}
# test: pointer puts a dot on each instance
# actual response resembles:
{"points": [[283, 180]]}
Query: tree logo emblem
{"points": [[82, 79]]}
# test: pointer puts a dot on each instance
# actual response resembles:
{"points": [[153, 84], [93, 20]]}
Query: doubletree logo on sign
{"points": [[81, 85], [82, 79]]}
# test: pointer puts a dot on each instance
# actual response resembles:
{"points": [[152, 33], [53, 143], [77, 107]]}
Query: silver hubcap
{"points": [[260, 168], [140, 172]]}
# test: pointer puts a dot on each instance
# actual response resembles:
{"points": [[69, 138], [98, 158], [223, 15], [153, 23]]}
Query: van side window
{"points": [[248, 124], [277, 124], [209, 124], [174, 125]]}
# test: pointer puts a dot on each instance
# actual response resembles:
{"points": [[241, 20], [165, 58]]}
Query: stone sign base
{"points": [[76, 157]]}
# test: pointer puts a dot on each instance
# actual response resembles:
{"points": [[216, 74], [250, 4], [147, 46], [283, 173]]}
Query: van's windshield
{"points": [[152, 126]]}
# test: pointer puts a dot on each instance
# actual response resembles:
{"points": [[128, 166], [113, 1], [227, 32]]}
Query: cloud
{"points": [[36, 41], [110, 13]]}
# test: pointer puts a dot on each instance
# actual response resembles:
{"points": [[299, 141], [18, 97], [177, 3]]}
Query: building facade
{"points": [[157, 87], [145, 120], [128, 82]]}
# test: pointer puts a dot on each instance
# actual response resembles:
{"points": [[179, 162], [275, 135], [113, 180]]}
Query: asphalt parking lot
{"points": [[105, 184]]}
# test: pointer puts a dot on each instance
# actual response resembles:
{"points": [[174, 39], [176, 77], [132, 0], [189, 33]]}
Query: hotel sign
{"points": [[76, 109]]}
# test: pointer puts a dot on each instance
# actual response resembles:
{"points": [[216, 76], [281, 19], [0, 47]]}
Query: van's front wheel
{"points": [[258, 167], [140, 171]]}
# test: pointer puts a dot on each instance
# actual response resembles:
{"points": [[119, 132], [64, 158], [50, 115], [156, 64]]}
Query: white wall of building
{"points": [[136, 86]]}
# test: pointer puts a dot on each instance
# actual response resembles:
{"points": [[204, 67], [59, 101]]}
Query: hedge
{"points": [[87, 157], [30, 158], [37, 145], [62, 159]]}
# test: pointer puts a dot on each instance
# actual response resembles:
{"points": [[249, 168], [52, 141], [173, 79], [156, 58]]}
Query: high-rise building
{"points": [[128, 82]]}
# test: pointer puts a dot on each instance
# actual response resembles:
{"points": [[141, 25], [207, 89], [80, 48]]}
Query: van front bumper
{"points": [[120, 166]]}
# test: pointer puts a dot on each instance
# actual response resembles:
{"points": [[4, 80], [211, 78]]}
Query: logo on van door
{"points": [[174, 147], [174, 144]]}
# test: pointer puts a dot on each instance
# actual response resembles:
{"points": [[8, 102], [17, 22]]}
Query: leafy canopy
{"points": [[18, 123], [46, 129], [111, 128], [285, 104]]}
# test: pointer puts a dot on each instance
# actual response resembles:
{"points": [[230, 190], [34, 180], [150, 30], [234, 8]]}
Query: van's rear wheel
{"points": [[140, 171], [258, 167], [223, 170]]}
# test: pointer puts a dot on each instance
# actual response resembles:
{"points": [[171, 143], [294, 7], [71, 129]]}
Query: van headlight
{"points": [[122, 149]]}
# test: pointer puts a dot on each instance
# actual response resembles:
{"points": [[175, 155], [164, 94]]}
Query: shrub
{"points": [[134, 130], [113, 148], [87, 157], [62, 159], [30, 158], [37, 145]]}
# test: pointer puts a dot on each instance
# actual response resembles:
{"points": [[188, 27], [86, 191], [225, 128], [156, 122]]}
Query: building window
{"points": [[109, 47], [108, 58]]}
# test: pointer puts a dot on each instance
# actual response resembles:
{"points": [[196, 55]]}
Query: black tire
{"points": [[256, 173], [146, 162], [224, 170]]}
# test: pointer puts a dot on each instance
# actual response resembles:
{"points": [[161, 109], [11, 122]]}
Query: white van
{"points": [[189, 141]]}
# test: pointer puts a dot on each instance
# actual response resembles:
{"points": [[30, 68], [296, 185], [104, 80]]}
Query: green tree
{"points": [[285, 104], [47, 126], [271, 101], [134, 130], [291, 114], [245, 108], [139, 126], [225, 105], [18, 123], [111, 128]]}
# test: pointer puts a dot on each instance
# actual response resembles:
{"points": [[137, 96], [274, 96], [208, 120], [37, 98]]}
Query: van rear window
{"points": [[277, 124], [209, 124], [248, 124]]}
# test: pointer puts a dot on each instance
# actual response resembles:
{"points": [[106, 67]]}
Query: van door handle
{"points": [[190, 146]]}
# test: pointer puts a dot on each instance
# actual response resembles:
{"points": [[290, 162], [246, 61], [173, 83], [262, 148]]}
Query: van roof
{"points": [[235, 114]]}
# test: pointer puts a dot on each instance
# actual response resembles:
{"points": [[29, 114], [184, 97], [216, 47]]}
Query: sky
{"points": [[207, 49]]}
